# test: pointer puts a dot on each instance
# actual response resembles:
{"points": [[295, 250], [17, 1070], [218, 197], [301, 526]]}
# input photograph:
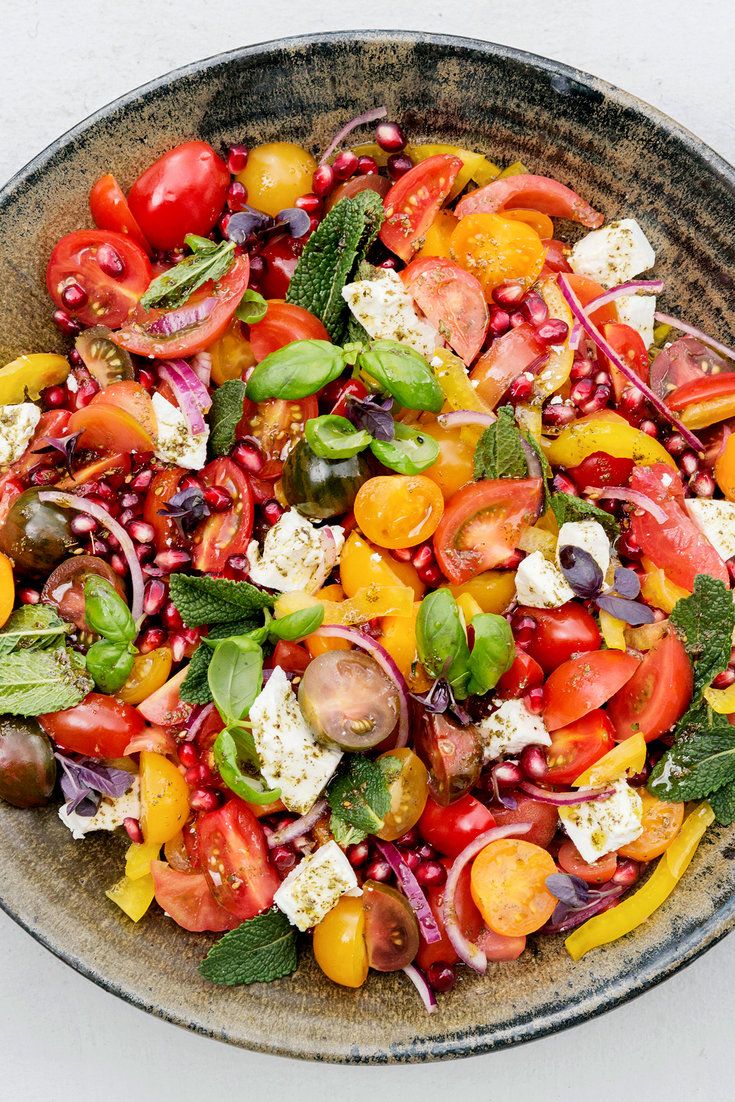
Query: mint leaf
{"points": [[175, 286], [225, 415], [32, 627], [722, 803], [261, 950], [567, 507], [216, 600], [705, 623], [330, 257], [33, 682], [499, 452], [699, 764], [195, 686], [359, 796]]}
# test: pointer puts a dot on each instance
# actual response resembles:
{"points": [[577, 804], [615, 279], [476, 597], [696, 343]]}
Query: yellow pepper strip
{"points": [[626, 758], [721, 701], [699, 415], [451, 374], [471, 163], [468, 607], [645, 637], [556, 370], [658, 590], [633, 911], [134, 897], [485, 172], [138, 859], [516, 169], [367, 603], [7, 588], [613, 631], [605, 432], [29, 375]]}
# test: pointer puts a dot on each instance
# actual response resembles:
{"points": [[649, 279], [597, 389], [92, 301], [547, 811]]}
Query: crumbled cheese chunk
{"points": [[638, 312], [316, 884], [541, 584], [17, 425], [290, 757], [510, 729], [175, 443], [295, 555], [598, 827], [614, 254], [589, 536], [716, 521], [386, 310], [110, 815]]}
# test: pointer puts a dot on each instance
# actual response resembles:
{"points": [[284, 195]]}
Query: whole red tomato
{"points": [[182, 192]]}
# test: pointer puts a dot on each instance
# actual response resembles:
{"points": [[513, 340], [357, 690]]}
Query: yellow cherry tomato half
{"points": [[658, 590], [497, 249], [361, 564], [7, 588], [493, 590], [27, 376], [398, 636], [339, 943], [276, 174], [164, 798], [398, 510], [454, 466], [661, 824], [438, 236], [605, 432], [232, 355], [150, 671], [409, 791]]}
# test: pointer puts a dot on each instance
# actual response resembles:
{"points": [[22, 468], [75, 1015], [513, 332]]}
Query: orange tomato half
{"points": [[509, 886], [497, 249]]}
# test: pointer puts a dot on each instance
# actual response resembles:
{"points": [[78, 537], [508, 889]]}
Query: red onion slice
{"points": [[565, 799], [428, 998], [633, 287], [460, 417], [191, 394], [624, 368], [411, 888], [386, 663], [201, 365], [360, 120], [692, 331], [471, 954], [199, 716], [82, 505], [634, 497], [299, 827], [173, 321]]}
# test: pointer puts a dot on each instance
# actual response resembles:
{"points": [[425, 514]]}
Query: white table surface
{"points": [[62, 1037]]}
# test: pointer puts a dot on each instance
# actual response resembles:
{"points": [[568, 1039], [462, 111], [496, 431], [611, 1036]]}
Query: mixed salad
{"points": [[367, 560]]}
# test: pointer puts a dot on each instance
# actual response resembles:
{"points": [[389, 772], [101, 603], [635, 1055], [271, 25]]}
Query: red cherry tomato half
{"points": [[560, 633], [526, 191], [482, 523], [276, 425], [195, 325], [658, 693], [587, 290], [280, 256], [84, 260], [524, 674], [452, 754], [600, 469], [100, 727], [596, 872], [164, 707], [544, 818], [228, 533], [186, 897], [450, 829], [291, 657], [453, 301], [585, 683], [702, 390], [557, 253], [578, 746], [182, 192], [168, 533], [630, 347], [234, 858], [353, 388], [111, 211], [284, 322], [412, 203], [506, 358]]}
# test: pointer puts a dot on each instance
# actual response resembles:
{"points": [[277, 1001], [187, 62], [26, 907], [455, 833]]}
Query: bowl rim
{"points": [[471, 1041]]}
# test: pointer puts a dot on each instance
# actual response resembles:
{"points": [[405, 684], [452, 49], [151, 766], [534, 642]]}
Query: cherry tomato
{"points": [[186, 897], [353, 388], [507, 358], [500, 946], [280, 255], [524, 674], [164, 798], [224, 534], [409, 791], [661, 824], [75, 261], [164, 707], [469, 920], [509, 886], [350, 188], [496, 250], [585, 683], [725, 468], [543, 818], [704, 389], [595, 872], [168, 533], [560, 633], [291, 657], [276, 174], [193, 326], [111, 211], [284, 322], [557, 254], [114, 467], [454, 467], [413, 202], [482, 524], [577, 746], [453, 755], [494, 590], [452, 300], [684, 361], [232, 354], [658, 693], [524, 190], [362, 563], [587, 290], [600, 469], [277, 425], [439, 235], [539, 222], [100, 727], [235, 859], [630, 347], [339, 943], [182, 192], [398, 510], [119, 418], [391, 927], [450, 829], [149, 673], [64, 587]]}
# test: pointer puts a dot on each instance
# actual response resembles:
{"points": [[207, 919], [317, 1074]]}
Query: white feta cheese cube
{"points": [[510, 729], [295, 555], [175, 443], [385, 309], [716, 522], [598, 827], [17, 425], [110, 815], [290, 756], [588, 535], [638, 312], [316, 884], [614, 254], [541, 584]]}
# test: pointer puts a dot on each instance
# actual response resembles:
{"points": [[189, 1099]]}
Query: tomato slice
{"points": [[578, 746], [482, 523], [186, 897], [587, 290], [234, 856], [560, 633], [631, 348], [453, 301], [506, 358], [121, 417], [224, 534], [657, 694], [675, 545], [585, 683], [557, 253], [108, 299], [450, 829], [595, 872], [110, 211], [164, 707], [524, 674], [191, 327], [100, 726], [277, 425], [601, 469], [544, 818], [702, 390], [163, 486], [413, 202], [291, 657], [113, 466], [540, 193], [283, 323]]}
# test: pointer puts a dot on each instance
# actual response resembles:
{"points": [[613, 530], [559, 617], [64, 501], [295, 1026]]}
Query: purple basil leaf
{"points": [[65, 445], [508, 801], [247, 223], [294, 220], [632, 612], [581, 571], [187, 507], [568, 918], [570, 890], [627, 583], [439, 699], [372, 414], [84, 780]]}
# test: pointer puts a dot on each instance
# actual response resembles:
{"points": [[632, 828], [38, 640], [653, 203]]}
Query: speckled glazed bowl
{"points": [[627, 159]]}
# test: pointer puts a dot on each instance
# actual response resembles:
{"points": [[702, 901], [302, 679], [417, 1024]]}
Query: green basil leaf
{"points": [[231, 748], [109, 664], [105, 611], [492, 654], [252, 308], [410, 451], [175, 286], [297, 624], [441, 640], [404, 374], [334, 437], [296, 371], [235, 676]]}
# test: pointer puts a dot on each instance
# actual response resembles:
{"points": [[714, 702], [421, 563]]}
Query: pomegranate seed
{"points": [[402, 554], [345, 164], [562, 484], [358, 854], [367, 166], [689, 463], [520, 389], [517, 320], [126, 517], [534, 309], [82, 525], [237, 196], [534, 700], [524, 629], [390, 137], [423, 556], [703, 484], [151, 639], [626, 873], [426, 852], [627, 545], [650, 428], [430, 874], [598, 400], [632, 399], [178, 646], [217, 498], [676, 444], [154, 596], [66, 323], [119, 565], [110, 261], [172, 560], [85, 394], [507, 774], [28, 596], [441, 977], [171, 617], [389, 264], [409, 840], [272, 511], [237, 566], [237, 158], [191, 482], [130, 501], [188, 754], [552, 331], [55, 396], [499, 321], [249, 456], [144, 552], [142, 480], [581, 369], [75, 359], [602, 378], [42, 476], [582, 391], [639, 779], [533, 762], [509, 295], [141, 531], [313, 223], [283, 858], [204, 799], [323, 181], [194, 774], [378, 870], [133, 830], [74, 296], [430, 575], [311, 203], [724, 679], [558, 414], [398, 165]]}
